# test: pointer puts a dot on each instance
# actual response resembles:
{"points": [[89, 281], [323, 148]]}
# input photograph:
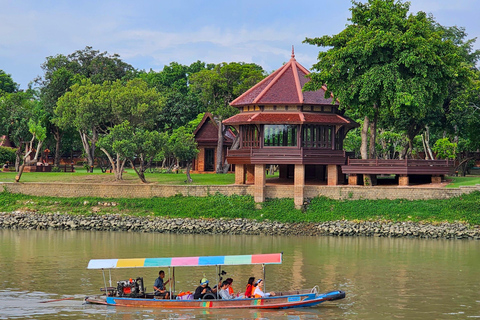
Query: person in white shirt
{"points": [[224, 294], [258, 293]]}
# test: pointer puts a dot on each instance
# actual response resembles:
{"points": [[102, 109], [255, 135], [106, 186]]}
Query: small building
{"points": [[206, 136], [279, 124]]}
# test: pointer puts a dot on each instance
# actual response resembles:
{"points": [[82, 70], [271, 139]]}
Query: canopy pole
{"points": [[110, 277], [169, 283], [105, 282], [217, 279], [173, 279], [264, 282]]}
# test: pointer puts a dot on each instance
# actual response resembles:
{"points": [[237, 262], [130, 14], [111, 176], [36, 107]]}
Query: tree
{"points": [[184, 148], [7, 85], [93, 109], [23, 119], [220, 86], [61, 72], [387, 63], [132, 144], [84, 109], [181, 103]]}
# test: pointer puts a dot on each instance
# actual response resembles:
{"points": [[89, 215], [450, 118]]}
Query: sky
{"points": [[152, 34]]}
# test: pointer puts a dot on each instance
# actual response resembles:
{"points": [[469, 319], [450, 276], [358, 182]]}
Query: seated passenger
{"points": [[159, 286], [258, 293], [250, 287], [202, 289], [230, 289], [223, 293]]}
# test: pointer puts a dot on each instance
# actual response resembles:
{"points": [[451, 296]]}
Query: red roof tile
{"points": [[284, 86], [289, 118]]}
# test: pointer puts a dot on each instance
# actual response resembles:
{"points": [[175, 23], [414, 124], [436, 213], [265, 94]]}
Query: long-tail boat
{"points": [[131, 293]]}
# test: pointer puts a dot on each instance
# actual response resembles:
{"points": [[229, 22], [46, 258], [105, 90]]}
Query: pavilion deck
{"points": [[400, 167]]}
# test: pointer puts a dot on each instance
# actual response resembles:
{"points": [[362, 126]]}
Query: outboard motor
{"points": [[130, 288]]}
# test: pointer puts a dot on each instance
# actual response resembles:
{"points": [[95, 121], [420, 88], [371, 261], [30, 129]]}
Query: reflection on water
{"points": [[383, 278]]}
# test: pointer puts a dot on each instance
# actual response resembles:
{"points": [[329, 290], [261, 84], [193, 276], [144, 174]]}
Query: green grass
{"points": [[463, 181], [460, 209], [129, 176]]}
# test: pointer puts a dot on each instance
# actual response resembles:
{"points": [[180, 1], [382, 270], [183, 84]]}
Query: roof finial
{"points": [[293, 53]]}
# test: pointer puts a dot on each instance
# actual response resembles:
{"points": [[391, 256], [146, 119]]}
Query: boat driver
{"points": [[159, 286]]}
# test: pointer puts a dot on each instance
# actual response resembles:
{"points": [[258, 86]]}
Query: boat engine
{"points": [[130, 288]]}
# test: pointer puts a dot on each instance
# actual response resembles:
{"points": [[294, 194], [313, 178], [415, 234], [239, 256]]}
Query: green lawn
{"points": [[81, 176], [463, 181], [128, 177]]}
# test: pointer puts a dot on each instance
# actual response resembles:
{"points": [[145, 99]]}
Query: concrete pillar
{"points": [[352, 179], [250, 173], [299, 185], [436, 179], [332, 174], [403, 180], [239, 174], [259, 186]]}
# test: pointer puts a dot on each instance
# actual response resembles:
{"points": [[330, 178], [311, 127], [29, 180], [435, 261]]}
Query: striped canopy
{"points": [[270, 258]]}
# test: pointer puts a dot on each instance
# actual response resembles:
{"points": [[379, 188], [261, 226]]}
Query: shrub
{"points": [[7, 155]]}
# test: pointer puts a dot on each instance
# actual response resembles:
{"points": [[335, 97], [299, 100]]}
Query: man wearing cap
{"points": [[202, 289]]}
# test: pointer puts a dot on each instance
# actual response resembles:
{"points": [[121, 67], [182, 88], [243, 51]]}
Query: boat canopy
{"points": [[269, 258]]}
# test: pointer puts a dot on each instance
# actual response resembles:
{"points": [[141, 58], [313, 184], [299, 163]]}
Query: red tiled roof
{"points": [[284, 86], [289, 118]]}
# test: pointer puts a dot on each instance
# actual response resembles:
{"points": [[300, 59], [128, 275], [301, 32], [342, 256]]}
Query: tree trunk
{"points": [[189, 178], [373, 138], [86, 148], [140, 172], [57, 135], [117, 167], [218, 161], [235, 146], [364, 135]]}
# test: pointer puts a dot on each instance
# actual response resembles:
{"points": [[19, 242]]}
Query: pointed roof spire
{"points": [[293, 53]]}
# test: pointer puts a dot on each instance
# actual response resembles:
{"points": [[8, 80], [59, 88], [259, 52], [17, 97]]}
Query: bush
{"points": [[7, 155]]}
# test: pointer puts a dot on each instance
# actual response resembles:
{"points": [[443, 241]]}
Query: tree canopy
{"points": [[388, 63]]}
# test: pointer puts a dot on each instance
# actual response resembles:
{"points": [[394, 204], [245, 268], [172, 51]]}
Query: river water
{"points": [[384, 278]]}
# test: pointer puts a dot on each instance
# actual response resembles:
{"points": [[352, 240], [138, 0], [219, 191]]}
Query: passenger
{"points": [[230, 289], [250, 287], [224, 293], [258, 293], [202, 289], [159, 286]]}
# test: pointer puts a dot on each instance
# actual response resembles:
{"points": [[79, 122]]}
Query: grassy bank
{"points": [[464, 208]]}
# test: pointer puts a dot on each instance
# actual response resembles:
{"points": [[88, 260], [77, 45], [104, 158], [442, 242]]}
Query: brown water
{"points": [[383, 278]]}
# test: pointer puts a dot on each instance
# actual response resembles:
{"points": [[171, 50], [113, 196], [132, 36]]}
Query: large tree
{"points": [[388, 63], [95, 108], [221, 85], [61, 72]]}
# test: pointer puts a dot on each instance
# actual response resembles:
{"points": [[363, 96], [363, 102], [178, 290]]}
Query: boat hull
{"points": [[277, 302]]}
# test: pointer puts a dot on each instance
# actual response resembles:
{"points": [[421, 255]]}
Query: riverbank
{"points": [[114, 222]]}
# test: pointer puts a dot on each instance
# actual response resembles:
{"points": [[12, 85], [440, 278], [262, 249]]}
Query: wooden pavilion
{"points": [[279, 124]]}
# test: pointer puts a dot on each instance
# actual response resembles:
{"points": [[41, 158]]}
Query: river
{"points": [[384, 278]]}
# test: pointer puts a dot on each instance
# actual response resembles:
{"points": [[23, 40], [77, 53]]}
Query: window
{"points": [[316, 136], [250, 136], [280, 135]]}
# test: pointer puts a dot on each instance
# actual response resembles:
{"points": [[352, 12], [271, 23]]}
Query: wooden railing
{"points": [[395, 162]]}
